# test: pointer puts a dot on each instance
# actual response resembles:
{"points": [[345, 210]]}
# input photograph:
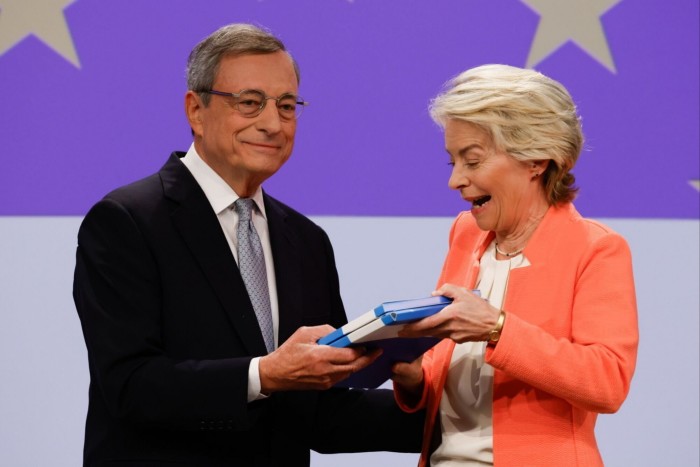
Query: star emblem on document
{"points": [[570, 20], [42, 18]]}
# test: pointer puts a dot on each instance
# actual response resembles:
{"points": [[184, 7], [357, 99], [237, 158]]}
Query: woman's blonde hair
{"points": [[527, 115]]}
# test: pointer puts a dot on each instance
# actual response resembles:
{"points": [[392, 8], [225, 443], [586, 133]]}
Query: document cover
{"points": [[378, 328]]}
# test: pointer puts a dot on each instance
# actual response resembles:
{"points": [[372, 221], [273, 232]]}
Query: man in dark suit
{"points": [[187, 367]]}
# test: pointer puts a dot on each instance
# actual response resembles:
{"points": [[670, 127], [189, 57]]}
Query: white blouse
{"points": [[466, 404]]}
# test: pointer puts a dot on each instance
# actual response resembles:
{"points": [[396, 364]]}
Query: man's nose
{"points": [[269, 118]]}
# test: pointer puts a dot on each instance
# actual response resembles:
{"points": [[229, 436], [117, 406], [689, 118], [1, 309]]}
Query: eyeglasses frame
{"points": [[298, 99]]}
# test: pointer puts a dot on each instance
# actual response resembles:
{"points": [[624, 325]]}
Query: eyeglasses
{"points": [[251, 102]]}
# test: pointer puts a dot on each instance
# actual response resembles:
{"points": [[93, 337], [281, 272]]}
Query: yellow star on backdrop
{"points": [[575, 20], [43, 18]]}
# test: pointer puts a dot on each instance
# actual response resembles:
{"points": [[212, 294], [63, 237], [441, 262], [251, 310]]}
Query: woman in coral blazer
{"points": [[550, 340]]}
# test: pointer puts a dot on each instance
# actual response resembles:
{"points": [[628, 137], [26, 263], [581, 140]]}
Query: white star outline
{"points": [[42, 18], [578, 21]]}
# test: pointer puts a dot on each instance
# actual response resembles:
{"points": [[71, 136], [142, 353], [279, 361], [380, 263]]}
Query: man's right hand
{"points": [[300, 363]]}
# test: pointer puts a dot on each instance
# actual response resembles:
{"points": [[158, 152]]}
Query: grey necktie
{"points": [[251, 262]]}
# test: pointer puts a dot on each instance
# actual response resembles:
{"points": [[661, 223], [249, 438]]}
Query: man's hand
{"points": [[300, 363]]}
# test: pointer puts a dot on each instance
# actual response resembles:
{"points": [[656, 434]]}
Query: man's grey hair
{"points": [[230, 40]]}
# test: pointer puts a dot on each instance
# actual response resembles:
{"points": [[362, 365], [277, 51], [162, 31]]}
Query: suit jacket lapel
{"points": [[285, 252], [195, 220]]}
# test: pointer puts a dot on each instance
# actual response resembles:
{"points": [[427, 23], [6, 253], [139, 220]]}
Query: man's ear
{"points": [[193, 109]]}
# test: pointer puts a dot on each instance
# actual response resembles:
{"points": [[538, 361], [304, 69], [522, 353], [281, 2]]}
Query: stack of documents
{"points": [[378, 328]]}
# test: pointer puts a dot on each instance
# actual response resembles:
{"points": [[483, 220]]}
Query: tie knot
{"points": [[244, 208]]}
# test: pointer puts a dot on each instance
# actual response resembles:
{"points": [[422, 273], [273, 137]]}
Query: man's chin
{"points": [[265, 170]]}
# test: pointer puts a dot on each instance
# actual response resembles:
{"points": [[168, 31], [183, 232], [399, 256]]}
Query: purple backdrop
{"points": [[366, 145]]}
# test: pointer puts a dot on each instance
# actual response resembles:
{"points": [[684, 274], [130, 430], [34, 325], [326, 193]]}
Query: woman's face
{"points": [[503, 191]]}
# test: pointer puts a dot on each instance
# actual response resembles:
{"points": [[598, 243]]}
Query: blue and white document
{"points": [[378, 328]]}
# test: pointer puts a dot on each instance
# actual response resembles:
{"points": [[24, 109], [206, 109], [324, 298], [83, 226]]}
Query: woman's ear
{"points": [[537, 168]]}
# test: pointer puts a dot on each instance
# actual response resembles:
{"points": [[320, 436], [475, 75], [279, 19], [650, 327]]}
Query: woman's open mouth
{"points": [[481, 201]]}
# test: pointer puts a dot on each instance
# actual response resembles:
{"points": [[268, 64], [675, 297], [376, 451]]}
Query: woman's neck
{"points": [[512, 242]]}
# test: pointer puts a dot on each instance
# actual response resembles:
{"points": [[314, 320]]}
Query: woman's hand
{"points": [[409, 376], [467, 318]]}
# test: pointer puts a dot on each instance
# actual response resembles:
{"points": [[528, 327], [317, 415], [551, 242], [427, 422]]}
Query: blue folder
{"points": [[378, 328]]}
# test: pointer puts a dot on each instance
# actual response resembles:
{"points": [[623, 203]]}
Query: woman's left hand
{"points": [[468, 318]]}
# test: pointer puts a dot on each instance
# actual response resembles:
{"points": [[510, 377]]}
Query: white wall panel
{"points": [[43, 393]]}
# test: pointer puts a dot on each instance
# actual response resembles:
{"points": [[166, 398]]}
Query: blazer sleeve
{"points": [[117, 292], [592, 367], [409, 402]]}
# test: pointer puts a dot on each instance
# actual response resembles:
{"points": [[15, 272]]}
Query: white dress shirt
{"points": [[467, 400], [221, 197]]}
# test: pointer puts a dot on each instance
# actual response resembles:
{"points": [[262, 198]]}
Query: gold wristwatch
{"points": [[495, 333]]}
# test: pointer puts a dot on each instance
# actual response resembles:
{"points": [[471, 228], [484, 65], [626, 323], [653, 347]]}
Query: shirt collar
{"points": [[220, 195]]}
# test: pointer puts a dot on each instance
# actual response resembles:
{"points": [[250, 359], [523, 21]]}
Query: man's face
{"points": [[245, 151]]}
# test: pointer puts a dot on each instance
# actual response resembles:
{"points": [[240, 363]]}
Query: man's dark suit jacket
{"points": [[170, 332]]}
